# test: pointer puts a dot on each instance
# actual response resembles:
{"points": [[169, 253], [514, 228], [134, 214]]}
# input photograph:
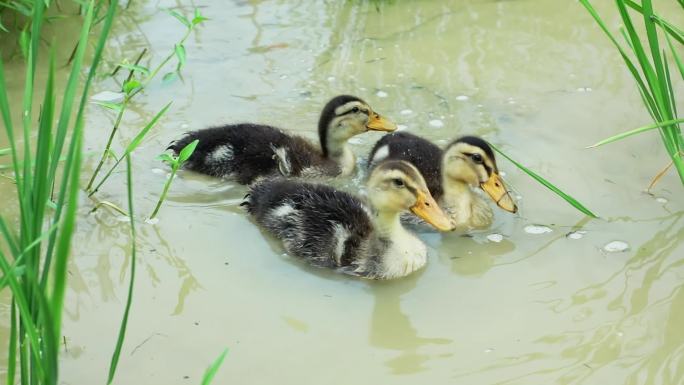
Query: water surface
{"points": [[537, 78]]}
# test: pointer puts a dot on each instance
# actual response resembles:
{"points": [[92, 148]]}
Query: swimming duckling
{"points": [[466, 162], [334, 229], [246, 151]]}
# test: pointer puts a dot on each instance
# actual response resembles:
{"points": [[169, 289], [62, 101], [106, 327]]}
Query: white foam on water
{"points": [[616, 246], [462, 98], [436, 123], [579, 234], [496, 238], [406, 112], [537, 229], [381, 94]]}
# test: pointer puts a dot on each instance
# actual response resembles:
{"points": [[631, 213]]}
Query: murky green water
{"points": [[535, 77]]}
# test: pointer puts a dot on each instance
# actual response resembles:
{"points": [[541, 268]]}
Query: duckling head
{"points": [[470, 160], [395, 186], [345, 116]]}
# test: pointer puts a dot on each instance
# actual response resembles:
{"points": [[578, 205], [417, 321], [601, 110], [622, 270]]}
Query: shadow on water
{"points": [[391, 329]]}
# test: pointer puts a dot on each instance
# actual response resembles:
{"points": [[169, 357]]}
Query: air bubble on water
{"points": [[661, 200], [462, 98], [579, 234], [331, 78], [436, 123], [185, 126], [158, 171], [489, 350], [537, 229], [381, 94], [518, 197], [616, 246], [401, 127], [283, 76], [496, 238], [123, 218], [152, 221], [502, 173], [406, 112]]}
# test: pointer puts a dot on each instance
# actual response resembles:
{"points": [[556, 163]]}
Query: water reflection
{"points": [[648, 290], [391, 329]]}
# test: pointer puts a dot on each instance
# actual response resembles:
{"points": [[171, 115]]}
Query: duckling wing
{"points": [[324, 226], [423, 154], [243, 151]]}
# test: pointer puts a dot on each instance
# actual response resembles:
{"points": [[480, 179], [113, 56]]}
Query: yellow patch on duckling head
{"points": [[471, 160], [398, 186]]}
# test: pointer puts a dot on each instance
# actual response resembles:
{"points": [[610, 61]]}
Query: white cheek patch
{"points": [[283, 160], [282, 210], [220, 154], [382, 153], [340, 236]]}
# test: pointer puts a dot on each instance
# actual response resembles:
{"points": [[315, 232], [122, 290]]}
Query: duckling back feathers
{"points": [[426, 156], [326, 227], [246, 151]]}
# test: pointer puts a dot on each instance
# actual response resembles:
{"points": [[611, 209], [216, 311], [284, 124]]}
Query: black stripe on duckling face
{"points": [[396, 186], [345, 116], [471, 160]]}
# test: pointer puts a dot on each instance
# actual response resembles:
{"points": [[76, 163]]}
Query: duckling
{"points": [[450, 173], [247, 151], [334, 229]]}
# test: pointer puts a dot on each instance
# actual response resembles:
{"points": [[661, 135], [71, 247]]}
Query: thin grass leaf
{"points": [[135, 68], [572, 201], [110, 106], [132, 146], [675, 32], [104, 33], [213, 368], [636, 131], [180, 18], [124, 321], [25, 314], [187, 151], [677, 58], [180, 54], [12, 348]]}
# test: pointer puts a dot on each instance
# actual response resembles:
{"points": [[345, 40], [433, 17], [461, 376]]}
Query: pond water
{"points": [[545, 296]]}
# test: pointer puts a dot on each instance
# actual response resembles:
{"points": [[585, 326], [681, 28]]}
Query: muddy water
{"points": [[528, 305]]}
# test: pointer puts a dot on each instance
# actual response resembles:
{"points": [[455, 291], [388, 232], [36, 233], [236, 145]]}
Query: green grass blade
{"points": [[25, 314], [64, 238], [213, 368], [675, 32], [636, 131], [12, 348], [572, 201], [104, 33], [70, 92], [651, 104], [132, 146], [678, 59], [124, 321], [42, 185]]}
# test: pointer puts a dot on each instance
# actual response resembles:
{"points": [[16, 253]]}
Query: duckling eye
{"points": [[477, 158], [398, 182], [355, 110]]}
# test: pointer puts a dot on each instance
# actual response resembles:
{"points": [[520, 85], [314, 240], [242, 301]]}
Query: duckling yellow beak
{"points": [[426, 208], [376, 122], [497, 191]]}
